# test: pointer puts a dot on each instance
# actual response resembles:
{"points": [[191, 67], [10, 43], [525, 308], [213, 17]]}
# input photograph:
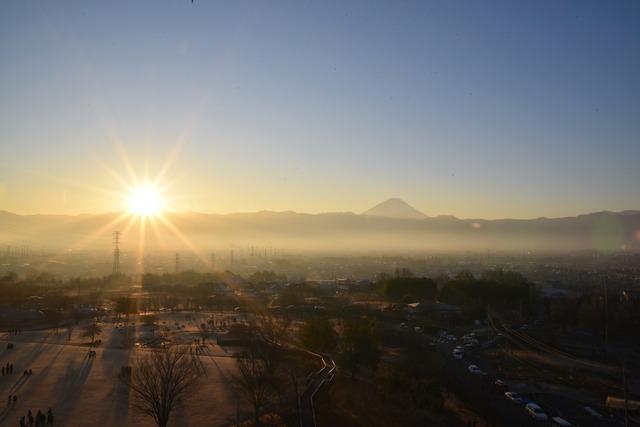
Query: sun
{"points": [[146, 200]]}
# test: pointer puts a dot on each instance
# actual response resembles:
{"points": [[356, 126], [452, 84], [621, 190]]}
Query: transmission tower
{"points": [[116, 253]]}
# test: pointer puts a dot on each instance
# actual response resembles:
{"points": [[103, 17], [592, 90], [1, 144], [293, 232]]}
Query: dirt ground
{"points": [[86, 391]]}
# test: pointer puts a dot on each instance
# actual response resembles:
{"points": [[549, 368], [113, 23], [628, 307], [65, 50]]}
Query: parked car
{"points": [[458, 353], [514, 397], [535, 411], [499, 386], [475, 370], [560, 422], [592, 412]]}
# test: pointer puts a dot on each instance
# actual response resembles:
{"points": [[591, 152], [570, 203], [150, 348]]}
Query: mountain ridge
{"points": [[328, 232], [626, 212]]}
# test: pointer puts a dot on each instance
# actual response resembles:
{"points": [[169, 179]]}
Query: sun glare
{"points": [[145, 200]]}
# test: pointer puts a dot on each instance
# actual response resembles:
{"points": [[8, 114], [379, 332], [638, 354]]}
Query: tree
{"points": [[150, 320], [126, 306], [254, 378], [92, 330], [413, 288], [54, 317], [266, 277], [273, 335], [204, 332], [73, 323], [360, 344], [501, 290], [318, 335], [160, 381]]}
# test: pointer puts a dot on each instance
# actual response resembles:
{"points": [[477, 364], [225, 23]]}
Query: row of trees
{"points": [[357, 341], [500, 290], [616, 314], [409, 289]]}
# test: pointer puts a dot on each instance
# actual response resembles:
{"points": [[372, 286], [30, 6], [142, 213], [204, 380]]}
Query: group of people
{"points": [[41, 419], [27, 372], [14, 331], [12, 399], [92, 354], [8, 369]]}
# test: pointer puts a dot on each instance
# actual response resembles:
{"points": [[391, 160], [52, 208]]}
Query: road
{"points": [[485, 400]]}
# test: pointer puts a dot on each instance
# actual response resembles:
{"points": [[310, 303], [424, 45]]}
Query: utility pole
{"points": [[606, 317], [626, 402], [116, 253]]}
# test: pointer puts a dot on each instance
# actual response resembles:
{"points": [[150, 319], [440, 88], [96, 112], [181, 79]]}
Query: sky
{"points": [[473, 109]]}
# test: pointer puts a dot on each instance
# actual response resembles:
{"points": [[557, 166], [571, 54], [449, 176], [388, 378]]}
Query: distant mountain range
{"points": [[391, 226]]}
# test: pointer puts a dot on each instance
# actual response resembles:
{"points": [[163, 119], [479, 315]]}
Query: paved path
{"points": [[315, 383]]}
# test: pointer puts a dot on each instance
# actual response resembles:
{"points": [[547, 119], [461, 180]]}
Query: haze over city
{"points": [[320, 214]]}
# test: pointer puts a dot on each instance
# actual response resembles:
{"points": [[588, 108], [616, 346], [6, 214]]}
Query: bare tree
{"points": [[70, 328], [92, 330], [254, 378], [73, 322], [274, 338], [160, 381], [204, 332]]}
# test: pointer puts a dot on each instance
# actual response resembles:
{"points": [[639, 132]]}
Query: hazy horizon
{"points": [[168, 211]]}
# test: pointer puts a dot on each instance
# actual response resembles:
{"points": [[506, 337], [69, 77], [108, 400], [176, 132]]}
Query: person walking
{"points": [[30, 417], [50, 416], [22, 422], [9, 400], [15, 399]]}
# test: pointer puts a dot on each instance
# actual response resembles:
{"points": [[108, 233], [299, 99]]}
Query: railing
{"points": [[315, 382]]}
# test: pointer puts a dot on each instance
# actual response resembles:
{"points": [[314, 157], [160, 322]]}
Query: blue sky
{"points": [[476, 109]]}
